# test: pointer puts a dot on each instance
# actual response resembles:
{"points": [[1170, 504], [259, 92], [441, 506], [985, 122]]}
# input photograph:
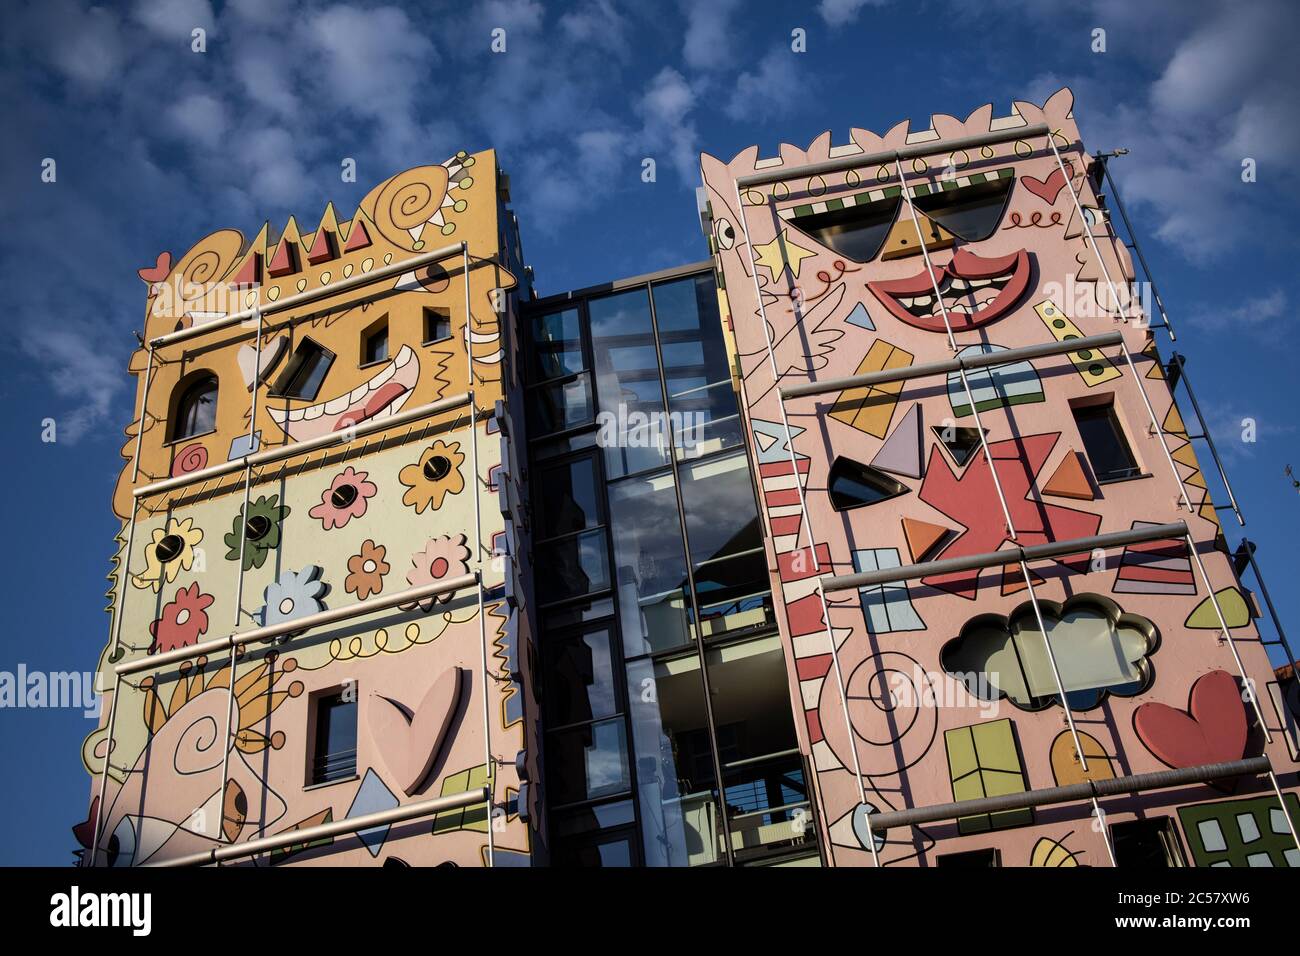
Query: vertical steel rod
{"points": [[144, 405], [478, 563], [1137, 247], [103, 778]]}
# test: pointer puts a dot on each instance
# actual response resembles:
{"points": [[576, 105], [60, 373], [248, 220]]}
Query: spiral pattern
{"points": [[191, 458], [409, 199]]}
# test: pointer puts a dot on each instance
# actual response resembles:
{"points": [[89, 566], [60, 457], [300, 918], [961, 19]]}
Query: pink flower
{"points": [[344, 499], [183, 621], [443, 558]]}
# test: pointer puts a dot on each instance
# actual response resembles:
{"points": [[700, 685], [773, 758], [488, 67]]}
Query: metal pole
{"points": [[1137, 247], [103, 777], [931, 148], [776, 380], [478, 562], [1205, 433], [1268, 601], [139, 430], [1286, 815], [1087, 230], [297, 625], [1227, 633], [1056, 671], [1160, 433], [239, 571], [1105, 833], [310, 295], [807, 522], [349, 825]]}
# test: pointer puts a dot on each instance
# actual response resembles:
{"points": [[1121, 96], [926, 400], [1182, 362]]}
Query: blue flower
{"points": [[296, 594]]}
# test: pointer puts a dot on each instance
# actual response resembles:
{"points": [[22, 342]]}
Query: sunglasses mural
{"points": [[845, 269], [306, 447]]}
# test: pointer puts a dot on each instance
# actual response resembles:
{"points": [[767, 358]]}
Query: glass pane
{"points": [[587, 762], [649, 564], [767, 798], [726, 537], [554, 447], [579, 678], [605, 850], [857, 232], [579, 613], [597, 817], [633, 428], [571, 566], [557, 345], [336, 739], [705, 417], [568, 498], [1108, 452], [198, 413], [377, 346], [553, 408], [675, 781]]}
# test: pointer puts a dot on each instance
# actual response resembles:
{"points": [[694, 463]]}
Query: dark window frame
{"points": [[318, 771], [189, 393], [293, 371]]}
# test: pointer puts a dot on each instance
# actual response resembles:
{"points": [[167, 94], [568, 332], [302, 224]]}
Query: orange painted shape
{"points": [[1069, 480], [922, 537]]}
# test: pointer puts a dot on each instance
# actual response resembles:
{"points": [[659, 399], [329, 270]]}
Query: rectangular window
{"points": [[335, 754], [1103, 440], [1146, 844], [587, 762], [557, 345], [559, 406], [970, 860], [580, 683], [572, 565], [303, 376], [569, 499], [437, 324], [374, 346]]}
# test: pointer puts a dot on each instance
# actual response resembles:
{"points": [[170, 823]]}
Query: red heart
{"points": [[1046, 189], [159, 271], [1213, 730]]}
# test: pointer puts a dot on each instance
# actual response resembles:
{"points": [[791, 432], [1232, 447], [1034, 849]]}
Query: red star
{"points": [[972, 501]]}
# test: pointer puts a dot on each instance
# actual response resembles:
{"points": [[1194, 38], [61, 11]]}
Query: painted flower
{"points": [[296, 594], [262, 529], [433, 477], [443, 557], [183, 621], [170, 552], [366, 570], [344, 499]]}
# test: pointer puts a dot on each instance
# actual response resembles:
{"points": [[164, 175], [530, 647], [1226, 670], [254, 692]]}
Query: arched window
{"points": [[196, 412]]}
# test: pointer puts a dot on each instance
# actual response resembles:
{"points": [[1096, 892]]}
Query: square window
{"points": [[1103, 440], [335, 754], [1146, 844], [437, 324], [970, 860], [303, 376]]}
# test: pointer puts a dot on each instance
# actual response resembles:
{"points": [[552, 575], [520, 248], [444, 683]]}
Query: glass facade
{"points": [[670, 736]]}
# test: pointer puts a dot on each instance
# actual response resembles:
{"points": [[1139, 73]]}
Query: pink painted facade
{"points": [[1136, 635]]}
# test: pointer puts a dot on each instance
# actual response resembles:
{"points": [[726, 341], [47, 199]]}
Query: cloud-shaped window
{"points": [[1099, 650]]}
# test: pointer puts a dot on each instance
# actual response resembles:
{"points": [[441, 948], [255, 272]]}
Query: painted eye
{"points": [[436, 467], [1093, 216], [343, 496], [170, 547], [726, 234]]}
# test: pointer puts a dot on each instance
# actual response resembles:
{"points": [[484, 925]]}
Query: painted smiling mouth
{"points": [[974, 290], [383, 395]]}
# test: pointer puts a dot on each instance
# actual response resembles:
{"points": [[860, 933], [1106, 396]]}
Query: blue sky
{"points": [[156, 145]]}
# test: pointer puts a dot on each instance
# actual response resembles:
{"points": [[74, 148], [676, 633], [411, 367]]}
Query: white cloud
{"points": [[174, 19], [709, 36], [774, 89], [200, 118], [1254, 314], [837, 13], [88, 48]]}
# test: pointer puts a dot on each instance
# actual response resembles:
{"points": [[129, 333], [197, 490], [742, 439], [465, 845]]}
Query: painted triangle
{"points": [[322, 248], [922, 537], [1069, 480], [901, 452], [358, 238], [284, 261]]}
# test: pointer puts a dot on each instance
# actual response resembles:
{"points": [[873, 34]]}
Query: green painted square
{"points": [[983, 762], [1214, 831]]}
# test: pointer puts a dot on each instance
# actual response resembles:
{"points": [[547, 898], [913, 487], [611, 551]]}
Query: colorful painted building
{"points": [[748, 562]]}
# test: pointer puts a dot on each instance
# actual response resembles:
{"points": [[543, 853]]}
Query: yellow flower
{"points": [[170, 552], [433, 477]]}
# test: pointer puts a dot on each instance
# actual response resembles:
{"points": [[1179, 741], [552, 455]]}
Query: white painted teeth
{"points": [[980, 283], [960, 285], [385, 375], [404, 356]]}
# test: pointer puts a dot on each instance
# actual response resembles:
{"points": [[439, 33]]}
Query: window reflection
{"points": [[633, 428], [675, 780], [649, 564], [570, 566], [587, 762], [705, 417], [557, 345]]}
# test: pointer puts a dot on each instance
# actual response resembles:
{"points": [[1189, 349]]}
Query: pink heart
{"points": [[410, 743], [1212, 730], [159, 271], [1046, 189]]}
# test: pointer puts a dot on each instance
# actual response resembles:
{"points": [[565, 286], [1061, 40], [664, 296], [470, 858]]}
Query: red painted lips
{"points": [[975, 291]]}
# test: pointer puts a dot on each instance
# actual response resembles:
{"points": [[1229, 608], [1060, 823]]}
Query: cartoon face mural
{"points": [[879, 267], [321, 529]]}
